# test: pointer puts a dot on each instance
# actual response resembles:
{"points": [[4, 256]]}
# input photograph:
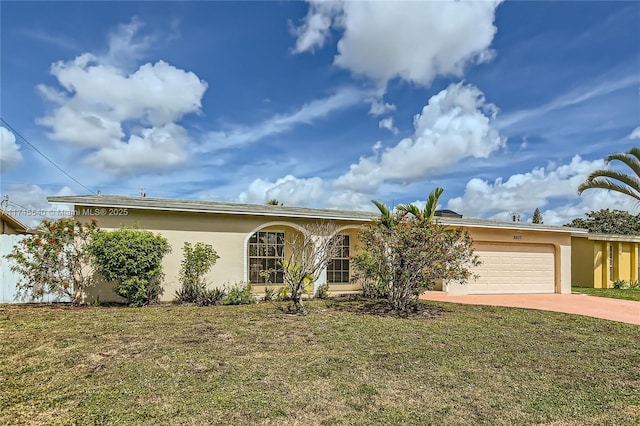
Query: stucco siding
{"points": [[591, 265], [228, 234], [583, 262]]}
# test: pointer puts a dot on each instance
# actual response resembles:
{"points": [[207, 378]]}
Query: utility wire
{"points": [[44, 156], [29, 210]]}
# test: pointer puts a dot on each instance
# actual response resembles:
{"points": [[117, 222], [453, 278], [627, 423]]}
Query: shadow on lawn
{"points": [[381, 308]]}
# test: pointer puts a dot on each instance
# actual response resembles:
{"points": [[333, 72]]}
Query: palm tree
{"points": [[274, 202], [386, 216], [388, 219], [613, 180], [430, 207]]}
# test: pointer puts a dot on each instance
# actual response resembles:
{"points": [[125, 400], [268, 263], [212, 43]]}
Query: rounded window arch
{"points": [[262, 250]]}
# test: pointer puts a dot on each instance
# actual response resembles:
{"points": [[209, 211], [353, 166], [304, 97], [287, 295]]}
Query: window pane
{"points": [[266, 251]]}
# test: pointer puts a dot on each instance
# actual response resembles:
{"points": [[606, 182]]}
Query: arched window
{"points": [[266, 253]]}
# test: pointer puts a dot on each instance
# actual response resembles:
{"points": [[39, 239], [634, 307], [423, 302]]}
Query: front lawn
{"points": [[247, 365], [615, 293]]}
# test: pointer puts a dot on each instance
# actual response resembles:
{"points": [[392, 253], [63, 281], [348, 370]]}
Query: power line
{"points": [[32, 211], [44, 156]]}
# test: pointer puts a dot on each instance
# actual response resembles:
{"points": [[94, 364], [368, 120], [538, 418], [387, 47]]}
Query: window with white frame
{"points": [[266, 253], [338, 267], [611, 262]]}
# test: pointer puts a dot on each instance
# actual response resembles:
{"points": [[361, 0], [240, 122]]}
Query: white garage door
{"points": [[514, 268]]}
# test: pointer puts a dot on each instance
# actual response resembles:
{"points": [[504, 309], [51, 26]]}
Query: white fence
{"points": [[8, 278]]}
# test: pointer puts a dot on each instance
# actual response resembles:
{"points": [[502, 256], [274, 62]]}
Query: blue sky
{"points": [[508, 106]]}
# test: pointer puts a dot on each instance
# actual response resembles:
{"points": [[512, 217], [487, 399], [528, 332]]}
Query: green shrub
{"points": [[132, 258], [634, 284], [619, 284], [211, 296], [323, 291], [239, 294], [139, 292], [366, 274], [198, 260], [269, 294]]}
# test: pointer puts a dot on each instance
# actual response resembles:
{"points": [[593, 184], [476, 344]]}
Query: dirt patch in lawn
{"points": [[382, 309]]}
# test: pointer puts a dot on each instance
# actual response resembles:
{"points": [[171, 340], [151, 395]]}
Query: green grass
{"points": [[255, 365], [615, 293]]}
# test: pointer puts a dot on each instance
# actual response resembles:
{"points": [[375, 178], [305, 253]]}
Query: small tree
{"points": [[407, 254], [274, 202], [198, 260], [55, 261], [310, 250], [132, 258], [537, 217]]}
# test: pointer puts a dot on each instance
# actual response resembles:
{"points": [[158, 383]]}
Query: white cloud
{"points": [[289, 190], [530, 119], [387, 123], [156, 147], [10, 154], [415, 41], [316, 26], [281, 123], [635, 134], [523, 193], [34, 199], [98, 97], [378, 107], [350, 200], [456, 123], [126, 46]]}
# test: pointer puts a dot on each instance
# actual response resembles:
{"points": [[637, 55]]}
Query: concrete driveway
{"points": [[598, 307]]}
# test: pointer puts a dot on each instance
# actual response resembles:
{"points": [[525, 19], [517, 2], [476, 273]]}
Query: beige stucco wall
{"points": [[228, 234]]}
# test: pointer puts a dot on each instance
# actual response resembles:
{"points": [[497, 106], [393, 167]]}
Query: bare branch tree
{"points": [[309, 252]]}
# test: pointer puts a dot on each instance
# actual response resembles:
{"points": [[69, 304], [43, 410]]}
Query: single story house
{"points": [[598, 260], [517, 257], [9, 225]]}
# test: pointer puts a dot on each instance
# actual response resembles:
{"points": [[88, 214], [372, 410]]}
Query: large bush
{"points": [[55, 261], [407, 251], [198, 260], [132, 258]]}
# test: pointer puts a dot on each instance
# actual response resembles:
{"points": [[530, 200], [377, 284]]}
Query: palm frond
{"points": [[609, 185], [613, 180], [384, 210], [631, 181], [432, 203], [631, 159]]}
